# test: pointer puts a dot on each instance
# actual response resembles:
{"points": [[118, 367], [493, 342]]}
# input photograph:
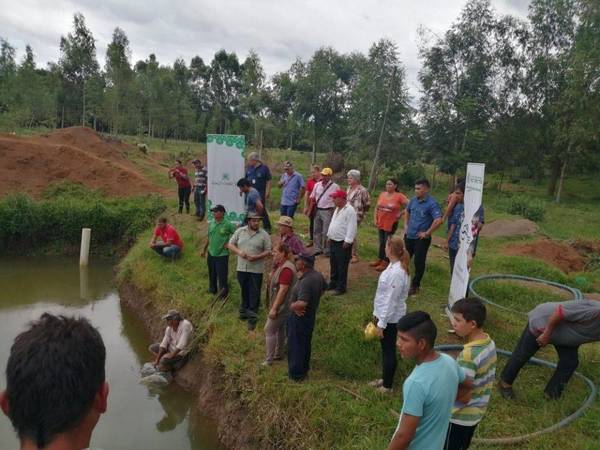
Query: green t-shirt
{"points": [[218, 235]]}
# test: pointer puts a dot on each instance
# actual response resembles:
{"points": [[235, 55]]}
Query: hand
{"points": [[380, 333], [543, 339], [445, 245], [273, 314], [243, 255], [422, 234], [298, 309], [251, 257], [305, 211], [267, 195], [203, 254], [345, 245]]}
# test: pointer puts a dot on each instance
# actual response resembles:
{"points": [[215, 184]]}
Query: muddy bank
{"points": [[235, 427]]}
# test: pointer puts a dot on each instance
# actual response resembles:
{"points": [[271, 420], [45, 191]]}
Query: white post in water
{"points": [[84, 253]]}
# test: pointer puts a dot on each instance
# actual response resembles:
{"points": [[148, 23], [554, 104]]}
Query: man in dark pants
{"points": [[200, 183], [423, 216], [259, 176], [300, 325], [566, 325], [252, 245], [219, 233], [341, 234], [184, 187]]}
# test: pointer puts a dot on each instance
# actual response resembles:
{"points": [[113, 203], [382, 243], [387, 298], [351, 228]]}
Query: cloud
{"points": [[280, 31]]}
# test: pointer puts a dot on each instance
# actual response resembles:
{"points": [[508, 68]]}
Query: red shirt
{"points": [[167, 234], [286, 276], [181, 176], [310, 185]]}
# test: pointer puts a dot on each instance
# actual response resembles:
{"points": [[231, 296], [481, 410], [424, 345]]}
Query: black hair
{"points": [[471, 309], [54, 371], [178, 161], [420, 326], [395, 181], [244, 182], [162, 220], [423, 182], [460, 186]]}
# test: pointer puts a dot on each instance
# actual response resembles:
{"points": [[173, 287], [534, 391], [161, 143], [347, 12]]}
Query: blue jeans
{"points": [[288, 210], [168, 251], [200, 203]]}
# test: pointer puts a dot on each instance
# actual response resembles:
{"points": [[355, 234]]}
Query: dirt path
{"points": [[518, 227]]}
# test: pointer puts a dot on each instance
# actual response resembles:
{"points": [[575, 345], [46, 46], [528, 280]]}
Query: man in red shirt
{"points": [[184, 187], [171, 245]]}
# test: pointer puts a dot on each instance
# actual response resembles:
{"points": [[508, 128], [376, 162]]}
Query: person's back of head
{"points": [[419, 325], [55, 380]]}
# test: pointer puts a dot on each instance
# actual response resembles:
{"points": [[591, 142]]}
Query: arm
{"points": [[268, 190], [161, 352], [153, 240], [465, 389], [405, 432], [259, 206], [350, 231], [281, 293], [449, 235], [554, 320], [301, 194], [406, 220], [299, 307], [434, 226], [205, 248]]}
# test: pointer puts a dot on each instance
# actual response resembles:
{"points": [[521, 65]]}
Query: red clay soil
{"points": [[29, 164], [564, 257]]}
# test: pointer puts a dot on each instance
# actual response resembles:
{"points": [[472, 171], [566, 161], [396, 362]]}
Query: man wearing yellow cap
{"points": [[325, 207]]}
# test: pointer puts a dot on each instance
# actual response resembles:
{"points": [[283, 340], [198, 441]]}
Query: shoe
{"points": [[384, 390], [413, 291], [266, 363], [506, 393], [354, 260], [376, 383], [326, 254], [243, 317], [330, 287], [317, 253], [381, 267], [375, 263], [338, 292]]}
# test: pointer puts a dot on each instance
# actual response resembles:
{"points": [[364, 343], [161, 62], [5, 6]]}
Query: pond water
{"points": [[138, 417]]}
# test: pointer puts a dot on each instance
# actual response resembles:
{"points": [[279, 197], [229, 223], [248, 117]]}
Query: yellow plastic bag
{"points": [[371, 332]]}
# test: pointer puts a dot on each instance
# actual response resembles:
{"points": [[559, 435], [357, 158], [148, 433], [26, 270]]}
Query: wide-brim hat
{"points": [[172, 314], [286, 221]]}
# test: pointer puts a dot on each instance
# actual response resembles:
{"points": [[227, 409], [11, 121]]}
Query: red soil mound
{"points": [[29, 164], [564, 257]]}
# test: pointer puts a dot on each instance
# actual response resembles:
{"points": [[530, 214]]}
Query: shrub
{"points": [[410, 173], [529, 208]]}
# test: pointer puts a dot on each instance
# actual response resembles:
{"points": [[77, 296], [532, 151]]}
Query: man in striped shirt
{"points": [[478, 360]]}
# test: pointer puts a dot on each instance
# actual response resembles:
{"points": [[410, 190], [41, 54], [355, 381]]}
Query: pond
{"points": [[138, 417]]}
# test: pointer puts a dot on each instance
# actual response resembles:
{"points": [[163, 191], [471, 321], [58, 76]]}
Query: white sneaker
{"points": [[384, 390], [376, 383]]}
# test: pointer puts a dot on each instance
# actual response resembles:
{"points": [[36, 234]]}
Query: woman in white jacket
{"points": [[389, 306]]}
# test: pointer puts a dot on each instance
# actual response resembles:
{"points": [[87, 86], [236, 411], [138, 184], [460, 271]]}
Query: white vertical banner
{"points": [[225, 162], [473, 194]]}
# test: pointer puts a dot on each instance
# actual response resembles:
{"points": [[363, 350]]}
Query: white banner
{"points": [[473, 194], [225, 162]]}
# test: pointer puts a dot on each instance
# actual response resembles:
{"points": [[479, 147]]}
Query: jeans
{"points": [[168, 251], [300, 330], [418, 248], [459, 436], [218, 270], [250, 285], [200, 203], [452, 256], [388, 354], [184, 197], [383, 238], [322, 220], [288, 210], [568, 360], [338, 263], [175, 363], [311, 227]]}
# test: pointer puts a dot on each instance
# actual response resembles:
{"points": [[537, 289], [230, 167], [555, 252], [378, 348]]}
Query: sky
{"points": [[280, 31]]}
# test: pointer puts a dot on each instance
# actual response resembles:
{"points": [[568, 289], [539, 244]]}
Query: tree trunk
{"points": [[372, 176], [560, 181], [499, 188], [83, 112], [554, 175]]}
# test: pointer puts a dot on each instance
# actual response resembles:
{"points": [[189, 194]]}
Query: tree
{"points": [[252, 90]]}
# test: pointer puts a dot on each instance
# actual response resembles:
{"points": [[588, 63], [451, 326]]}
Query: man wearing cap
{"points": [[293, 190], [287, 235], [252, 245], [341, 235], [304, 302], [324, 210], [199, 188], [172, 352], [259, 176], [219, 233]]}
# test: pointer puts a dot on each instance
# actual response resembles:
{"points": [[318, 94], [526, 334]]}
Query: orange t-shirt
{"points": [[388, 209]]}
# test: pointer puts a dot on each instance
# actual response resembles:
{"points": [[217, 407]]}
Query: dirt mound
{"points": [[75, 154], [560, 255], [519, 227]]}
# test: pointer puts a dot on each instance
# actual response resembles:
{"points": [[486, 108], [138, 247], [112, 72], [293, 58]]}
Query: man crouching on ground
{"points": [[55, 384], [172, 353]]}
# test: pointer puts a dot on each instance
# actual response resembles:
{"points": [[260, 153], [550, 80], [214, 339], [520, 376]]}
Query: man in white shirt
{"points": [[341, 235], [324, 205], [172, 352]]}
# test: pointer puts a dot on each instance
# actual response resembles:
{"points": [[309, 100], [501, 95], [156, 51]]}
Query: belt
{"points": [[326, 209]]}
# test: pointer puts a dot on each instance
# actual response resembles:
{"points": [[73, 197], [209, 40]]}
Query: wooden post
{"points": [[84, 252]]}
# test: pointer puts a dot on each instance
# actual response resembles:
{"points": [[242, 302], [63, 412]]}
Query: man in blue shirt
{"points": [[293, 190], [431, 388], [259, 176], [252, 202], [422, 217]]}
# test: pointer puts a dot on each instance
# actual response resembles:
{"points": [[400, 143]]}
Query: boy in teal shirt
{"points": [[219, 232], [429, 391]]}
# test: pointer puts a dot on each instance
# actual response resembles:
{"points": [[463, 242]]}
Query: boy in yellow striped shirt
{"points": [[478, 360]]}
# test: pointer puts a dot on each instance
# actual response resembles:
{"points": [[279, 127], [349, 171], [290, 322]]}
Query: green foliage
{"points": [[57, 219], [532, 209]]}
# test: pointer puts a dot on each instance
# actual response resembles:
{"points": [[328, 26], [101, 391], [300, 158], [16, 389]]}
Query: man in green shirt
{"points": [[252, 245], [219, 233]]}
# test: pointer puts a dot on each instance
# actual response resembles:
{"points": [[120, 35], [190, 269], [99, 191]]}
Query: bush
{"points": [[531, 209], [410, 173], [57, 219]]}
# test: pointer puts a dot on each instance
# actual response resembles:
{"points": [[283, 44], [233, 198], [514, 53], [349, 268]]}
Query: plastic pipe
{"points": [[84, 253]]}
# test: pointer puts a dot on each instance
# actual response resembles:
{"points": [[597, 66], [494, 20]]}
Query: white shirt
{"points": [[391, 294], [326, 201], [343, 224], [179, 339]]}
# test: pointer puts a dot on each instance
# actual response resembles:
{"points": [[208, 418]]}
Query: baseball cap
{"points": [[287, 221], [306, 257], [254, 216], [196, 161], [172, 314], [218, 208], [253, 156], [338, 194], [327, 171]]}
